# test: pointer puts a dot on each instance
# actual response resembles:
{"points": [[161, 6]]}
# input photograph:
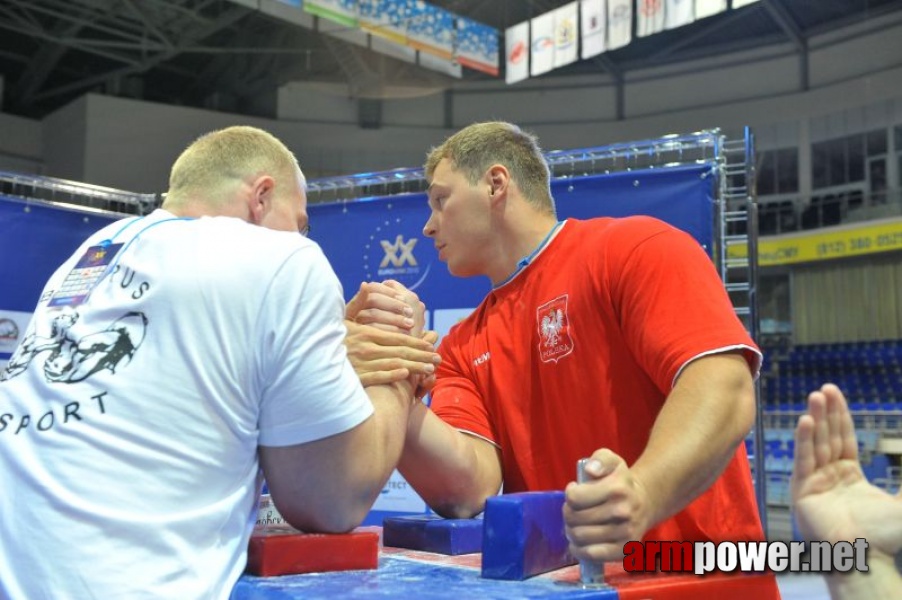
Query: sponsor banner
{"points": [[386, 19], [593, 27], [566, 19], [477, 46], [541, 44], [13, 325], [824, 244], [398, 496], [516, 51], [343, 12], [678, 13], [620, 23], [268, 516], [649, 17], [706, 8], [431, 30]]}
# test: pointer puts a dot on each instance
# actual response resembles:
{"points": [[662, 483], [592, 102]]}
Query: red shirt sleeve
{"points": [[671, 302], [455, 398]]}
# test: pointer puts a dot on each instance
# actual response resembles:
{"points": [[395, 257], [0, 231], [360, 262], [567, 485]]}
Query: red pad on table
{"points": [[281, 552]]}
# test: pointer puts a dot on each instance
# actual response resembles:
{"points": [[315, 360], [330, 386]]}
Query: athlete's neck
{"points": [[532, 245]]}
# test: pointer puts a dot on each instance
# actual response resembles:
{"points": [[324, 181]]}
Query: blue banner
{"points": [[35, 239], [373, 239]]}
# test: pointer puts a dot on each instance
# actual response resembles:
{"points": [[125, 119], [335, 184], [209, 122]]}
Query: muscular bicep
{"points": [[314, 485]]}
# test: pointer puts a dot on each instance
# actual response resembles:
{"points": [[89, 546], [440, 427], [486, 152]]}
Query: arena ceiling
{"points": [[222, 54]]}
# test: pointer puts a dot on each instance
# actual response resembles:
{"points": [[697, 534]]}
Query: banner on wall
{"points": [[620, 23], [649, 17], [554, 39], [707, 8], [846, 242], [431, 30], [678, 13], [343, 12], [13, 325], [541, 29], [516, 50], [385, 19], [477, 46], [593, 27], [566, 22], [36, 239]]}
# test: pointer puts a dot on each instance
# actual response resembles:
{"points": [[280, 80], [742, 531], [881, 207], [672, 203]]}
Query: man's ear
{"points": [[260, 198], [498, 178]]}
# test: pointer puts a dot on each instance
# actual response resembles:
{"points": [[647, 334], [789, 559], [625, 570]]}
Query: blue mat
{"points": [[399, 577]]}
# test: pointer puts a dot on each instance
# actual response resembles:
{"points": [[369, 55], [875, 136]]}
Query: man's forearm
{"points": [[392, 404], [696, 434], [330, 484], [453, 472]]}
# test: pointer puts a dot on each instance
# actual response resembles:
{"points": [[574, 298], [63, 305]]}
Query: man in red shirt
{"points": [[607, 338]]}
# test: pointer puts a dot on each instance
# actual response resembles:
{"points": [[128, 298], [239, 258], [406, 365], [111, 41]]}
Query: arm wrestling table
{"points": [[414, 574]]}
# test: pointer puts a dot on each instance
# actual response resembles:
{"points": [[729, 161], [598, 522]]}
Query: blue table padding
{"points": [[523, 535], [432, 533], [399, 578]]}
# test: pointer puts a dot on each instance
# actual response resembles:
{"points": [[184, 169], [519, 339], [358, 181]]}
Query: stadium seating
{"points": [[870, 375]]}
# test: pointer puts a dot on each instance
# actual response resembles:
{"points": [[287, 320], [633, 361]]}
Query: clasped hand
{"points": [[609, 510], [386, 340]]}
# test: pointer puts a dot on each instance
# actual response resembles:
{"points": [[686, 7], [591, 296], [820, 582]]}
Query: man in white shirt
{"points": [[173, 362]]}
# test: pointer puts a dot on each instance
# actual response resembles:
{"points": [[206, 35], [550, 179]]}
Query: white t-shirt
{"points": [[129, 424]]}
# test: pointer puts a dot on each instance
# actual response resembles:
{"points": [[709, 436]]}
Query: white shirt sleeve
{"points": [[309, 388]]}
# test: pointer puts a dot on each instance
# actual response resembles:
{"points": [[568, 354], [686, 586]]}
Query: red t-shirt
{"points": [[579, 351]]}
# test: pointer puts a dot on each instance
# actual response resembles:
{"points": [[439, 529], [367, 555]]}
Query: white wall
{"points": [[855, 79]]}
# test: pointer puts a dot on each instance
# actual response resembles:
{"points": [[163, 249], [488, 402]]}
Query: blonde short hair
{"points": [[221, 157], [474, 149]]}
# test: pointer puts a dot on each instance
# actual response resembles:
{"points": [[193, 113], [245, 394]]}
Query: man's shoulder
{"points": [[631, 225], [235, 235], [619, 232]]}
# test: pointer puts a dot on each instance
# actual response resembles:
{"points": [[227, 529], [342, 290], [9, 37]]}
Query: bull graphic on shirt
{"points": [[555, 341], [69, 358]]}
